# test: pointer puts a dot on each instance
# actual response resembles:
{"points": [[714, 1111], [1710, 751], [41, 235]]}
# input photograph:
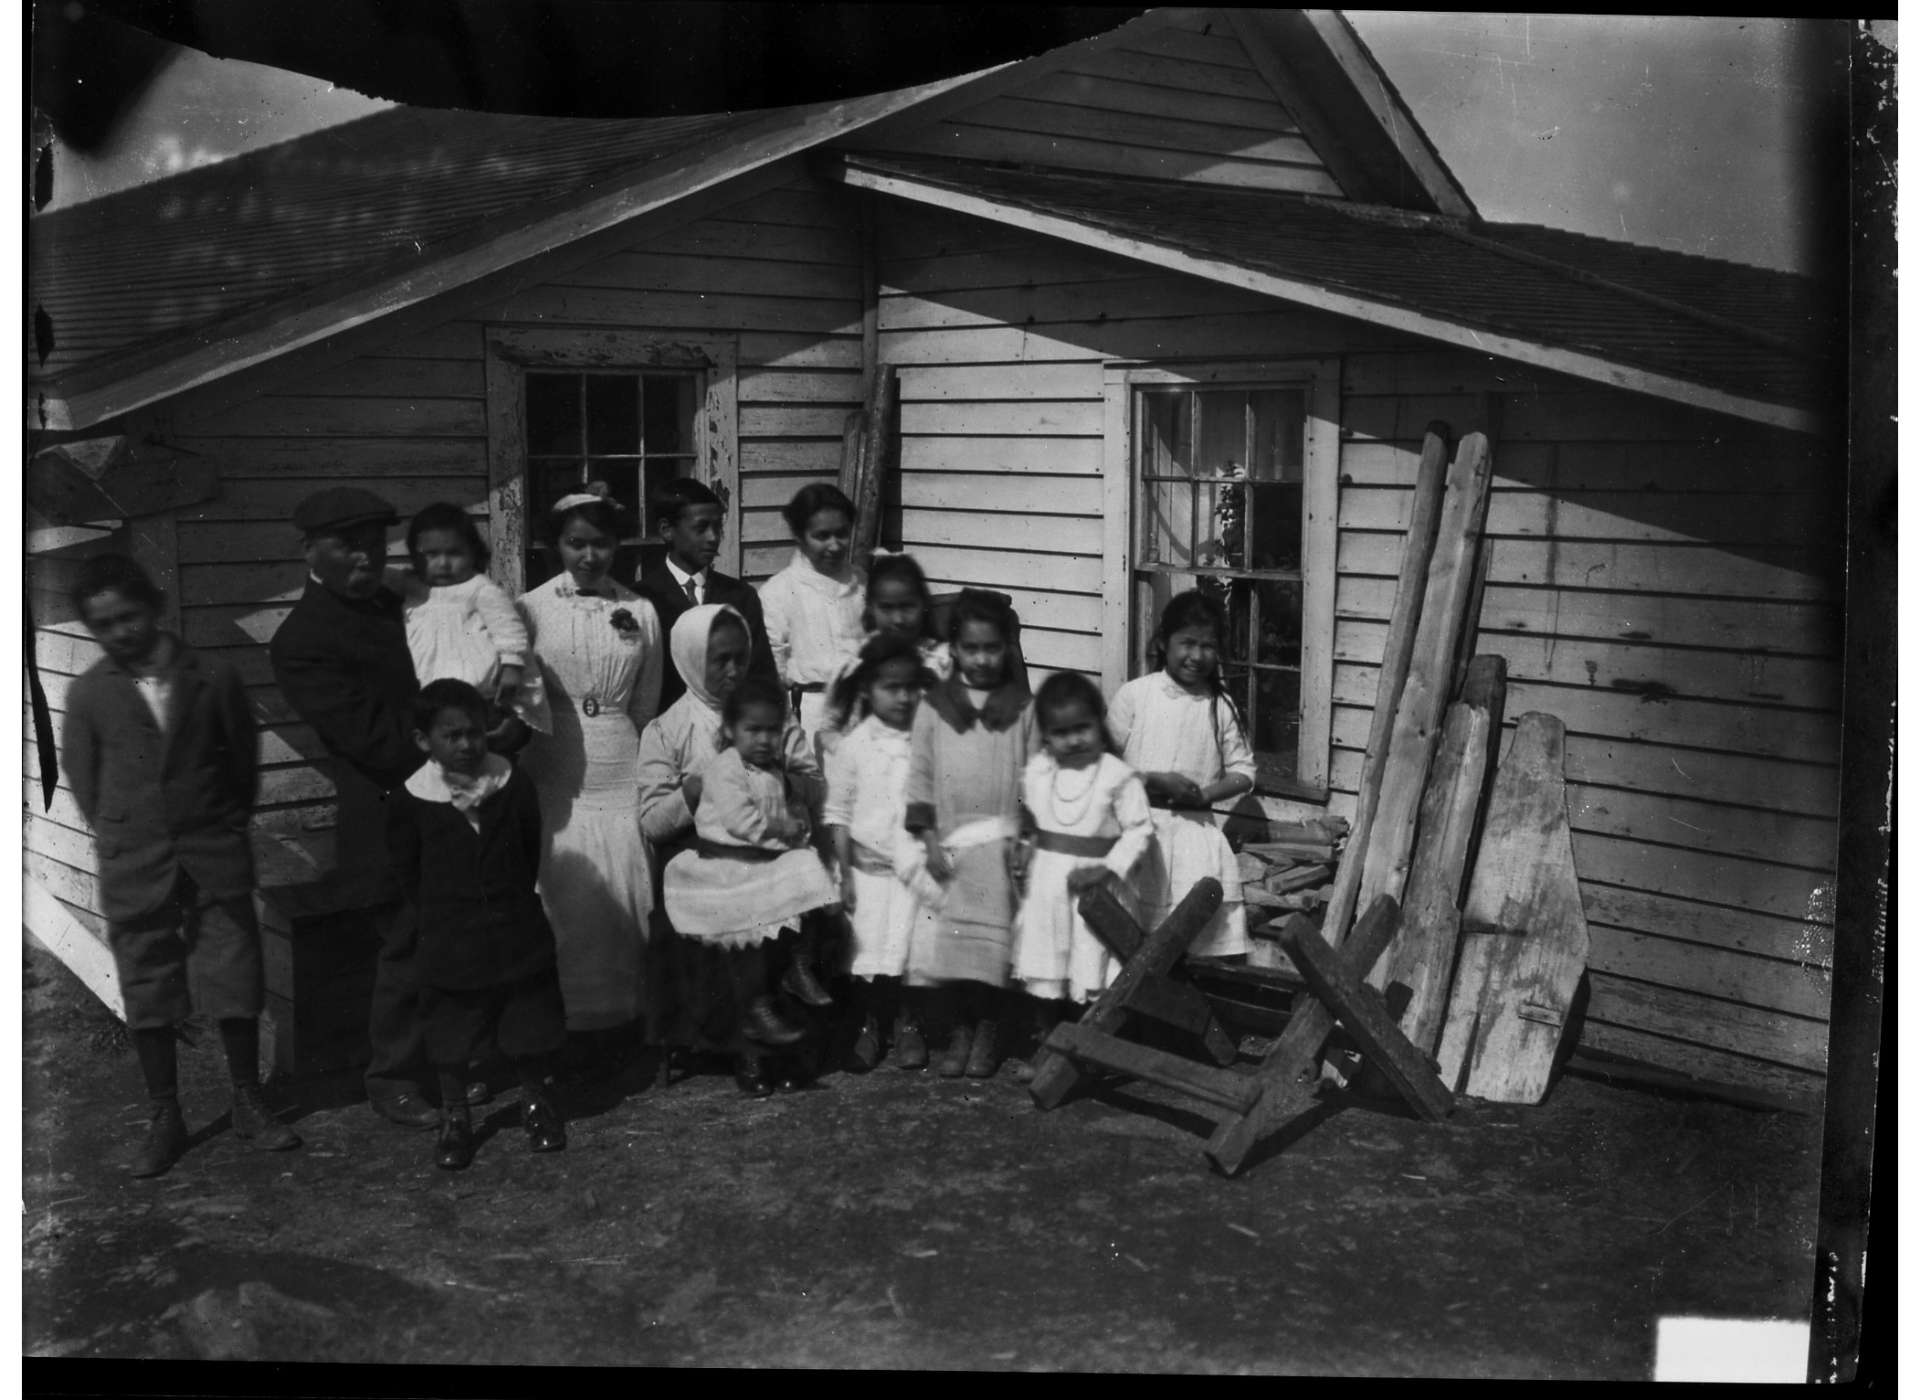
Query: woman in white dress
{"points": [[600, 649]]}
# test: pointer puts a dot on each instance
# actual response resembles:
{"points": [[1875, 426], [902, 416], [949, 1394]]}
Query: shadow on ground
{"points": [[896, 1220]]}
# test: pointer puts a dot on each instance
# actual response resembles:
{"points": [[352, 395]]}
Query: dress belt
{"points": [[727, 851], [869, 861], [1061, 844]]}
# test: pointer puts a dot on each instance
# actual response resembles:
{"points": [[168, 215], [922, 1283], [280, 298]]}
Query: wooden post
{"points": [[1416, 722], [1422, 955], [1408, 596]]}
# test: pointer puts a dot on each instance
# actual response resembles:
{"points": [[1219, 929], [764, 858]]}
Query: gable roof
{"points": [[163, 288], [1695, 330], [218, 240]]}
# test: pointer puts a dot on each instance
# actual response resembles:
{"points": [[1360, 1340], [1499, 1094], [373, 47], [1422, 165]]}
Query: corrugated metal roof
{"points": [[1745, 331], [162, 259]]}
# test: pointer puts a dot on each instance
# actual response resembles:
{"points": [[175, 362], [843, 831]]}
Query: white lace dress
{"points": [[1163, 728], [602, 685]]}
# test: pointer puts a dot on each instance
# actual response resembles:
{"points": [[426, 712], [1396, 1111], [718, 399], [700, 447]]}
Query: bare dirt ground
{"points": [[897, 1220]]}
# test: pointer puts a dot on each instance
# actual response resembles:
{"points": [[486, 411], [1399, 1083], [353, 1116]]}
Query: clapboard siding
{"points": [[779, 273], [1179, 104], [1659, 578]]}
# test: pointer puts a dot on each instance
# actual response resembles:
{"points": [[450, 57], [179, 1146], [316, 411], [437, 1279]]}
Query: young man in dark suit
{"points": [[691, 521], [161, 753]]}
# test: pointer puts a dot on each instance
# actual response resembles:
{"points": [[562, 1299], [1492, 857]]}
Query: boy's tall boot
{"points": [[454, 1150], [166, 1129], [253, 1121]]}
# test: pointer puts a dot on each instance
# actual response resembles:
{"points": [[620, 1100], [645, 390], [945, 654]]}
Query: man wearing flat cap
{"points": [[341, 660]]}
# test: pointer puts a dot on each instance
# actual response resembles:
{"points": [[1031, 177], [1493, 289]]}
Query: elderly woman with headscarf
{"points": [[600, 649], [699, 993]]}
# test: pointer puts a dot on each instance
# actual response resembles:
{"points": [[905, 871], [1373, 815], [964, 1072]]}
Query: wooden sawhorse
{"points": [[1250, 1107]]}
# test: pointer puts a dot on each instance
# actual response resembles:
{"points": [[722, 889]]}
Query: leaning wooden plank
{"points": [[1462, 1023], [1409, 595], [1525, 896], [1422, 955], [1216, 1086], [1297, 1050], [1364, 1015], [1388, 849], [1054, 1074]]}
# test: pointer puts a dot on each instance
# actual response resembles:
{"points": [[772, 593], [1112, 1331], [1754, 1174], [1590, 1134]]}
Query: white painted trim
{"points": [[50, 924], [1396, 119], [1319, 527], [1550, 357], [1116, 563]]}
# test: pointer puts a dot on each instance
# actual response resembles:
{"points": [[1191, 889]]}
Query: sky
{"points": [[1685, 133]]}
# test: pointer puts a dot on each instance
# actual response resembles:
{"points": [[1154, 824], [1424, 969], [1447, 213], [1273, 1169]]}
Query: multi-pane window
{"points": [[1219, 474], [632, 430]]}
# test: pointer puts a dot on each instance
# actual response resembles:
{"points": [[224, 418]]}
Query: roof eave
{"points": [[120, 384], [1562, 359]]}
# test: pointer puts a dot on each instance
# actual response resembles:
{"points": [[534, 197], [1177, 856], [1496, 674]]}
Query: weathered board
{"points": [[1524, 934]]}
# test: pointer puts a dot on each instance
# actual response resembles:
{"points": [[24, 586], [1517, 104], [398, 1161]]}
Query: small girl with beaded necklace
{"points": [[1090, 824]]}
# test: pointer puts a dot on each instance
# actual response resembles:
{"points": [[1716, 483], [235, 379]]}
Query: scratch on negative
{"points": [[1681, 771], [1688, 825]]}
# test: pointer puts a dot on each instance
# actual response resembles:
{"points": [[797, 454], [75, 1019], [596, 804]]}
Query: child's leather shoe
{"points": [[909, 1046], [454, 1151], [763, 1024], [546, 1129], [166, 1139], [953, 1063], [254, 1123]]}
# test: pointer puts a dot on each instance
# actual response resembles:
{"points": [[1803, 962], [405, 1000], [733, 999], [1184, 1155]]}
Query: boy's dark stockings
{"points": [[159, 1065]]}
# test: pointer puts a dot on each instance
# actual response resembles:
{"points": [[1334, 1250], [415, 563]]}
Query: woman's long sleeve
{"points": [[664, 813]]}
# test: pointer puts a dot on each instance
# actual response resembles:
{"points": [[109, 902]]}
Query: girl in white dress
{"points": [[599, 645], [1091, 824], [1183, 735], [899, 604], [813, 607], [461, 625], [865, 811]]}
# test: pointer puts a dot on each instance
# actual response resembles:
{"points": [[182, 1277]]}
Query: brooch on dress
{"points": [[625, 624]]}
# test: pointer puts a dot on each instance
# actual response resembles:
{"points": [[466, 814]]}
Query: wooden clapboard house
{"points": [[1177, 302]]}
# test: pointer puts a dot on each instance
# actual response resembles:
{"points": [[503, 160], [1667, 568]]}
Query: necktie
{"points": [[693, 595]]}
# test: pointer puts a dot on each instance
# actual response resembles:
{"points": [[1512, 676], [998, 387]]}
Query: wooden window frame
{"points": [[511, 352], [1320, 502]]}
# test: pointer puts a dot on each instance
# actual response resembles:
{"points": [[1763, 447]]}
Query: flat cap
{"points": [[341, 508]]}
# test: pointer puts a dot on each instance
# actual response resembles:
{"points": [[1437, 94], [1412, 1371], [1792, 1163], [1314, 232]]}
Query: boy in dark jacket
{"points": [[159, 748], [464, 833], [691, 521]]}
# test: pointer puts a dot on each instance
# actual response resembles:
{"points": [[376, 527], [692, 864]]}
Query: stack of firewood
{"points": [[1291, 871]]}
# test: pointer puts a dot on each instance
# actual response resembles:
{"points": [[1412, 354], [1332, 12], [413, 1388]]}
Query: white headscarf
{"points": [[688, 646]]}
